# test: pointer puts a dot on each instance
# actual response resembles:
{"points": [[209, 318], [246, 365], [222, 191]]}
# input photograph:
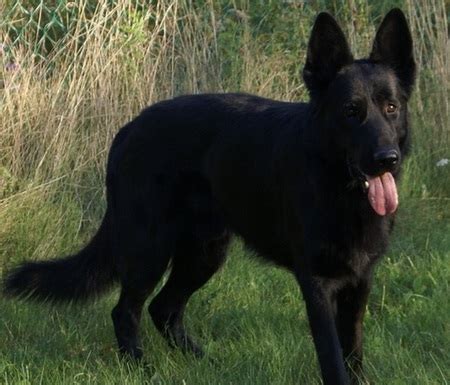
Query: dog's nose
{"points": [[386, 159]]}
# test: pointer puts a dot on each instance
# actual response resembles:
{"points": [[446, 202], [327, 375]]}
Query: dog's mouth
{"points": [[381, 190]]}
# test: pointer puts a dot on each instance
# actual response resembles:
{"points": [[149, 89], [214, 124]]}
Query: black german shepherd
{"points": [[310, 187]]}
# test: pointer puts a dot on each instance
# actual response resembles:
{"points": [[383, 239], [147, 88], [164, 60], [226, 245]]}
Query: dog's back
{"points": [[219, 148], [180, 134]]}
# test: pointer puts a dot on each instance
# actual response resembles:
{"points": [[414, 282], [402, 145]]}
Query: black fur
{"points": [[287, 177], [74, 278]]}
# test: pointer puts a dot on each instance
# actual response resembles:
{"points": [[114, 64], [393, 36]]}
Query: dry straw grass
{"points": [[58, 116]]}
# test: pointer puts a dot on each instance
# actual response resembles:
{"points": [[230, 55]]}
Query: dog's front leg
{"points": [[317, 295], [351, 305]]}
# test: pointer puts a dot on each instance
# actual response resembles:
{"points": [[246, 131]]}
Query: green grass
{"points": [[251, 321], [94, 68]]}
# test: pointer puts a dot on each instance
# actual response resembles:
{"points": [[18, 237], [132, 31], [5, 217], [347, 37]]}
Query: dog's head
{"points": [[360, 106]]}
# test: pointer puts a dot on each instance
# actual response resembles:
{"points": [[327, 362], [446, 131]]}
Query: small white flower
{"points": [[443, 162]]}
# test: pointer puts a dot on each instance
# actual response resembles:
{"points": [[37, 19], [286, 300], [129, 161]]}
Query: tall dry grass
{"points": [[59, 114]]}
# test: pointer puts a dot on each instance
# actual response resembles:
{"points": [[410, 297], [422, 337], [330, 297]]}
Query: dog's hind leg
{"points": [[194, 264], [144, 259]]}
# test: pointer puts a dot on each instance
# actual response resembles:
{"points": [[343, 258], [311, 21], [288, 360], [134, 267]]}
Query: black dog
{"points": [[310, 187]]}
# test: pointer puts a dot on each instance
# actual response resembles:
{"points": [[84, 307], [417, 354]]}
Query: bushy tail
{"points": [[73, 278]]}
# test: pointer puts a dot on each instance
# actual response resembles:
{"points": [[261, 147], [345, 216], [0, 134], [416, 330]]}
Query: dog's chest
{"points": [[351, 248]]}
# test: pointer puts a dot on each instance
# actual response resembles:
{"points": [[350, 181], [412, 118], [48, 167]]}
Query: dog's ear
{"points": [[393, 47], [328, 52]]}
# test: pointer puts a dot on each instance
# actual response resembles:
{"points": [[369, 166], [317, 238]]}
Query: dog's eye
{"points": [[391, 108], [350, 109]]}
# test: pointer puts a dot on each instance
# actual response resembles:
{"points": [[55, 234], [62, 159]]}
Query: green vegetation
{"points": [[71, 73]]}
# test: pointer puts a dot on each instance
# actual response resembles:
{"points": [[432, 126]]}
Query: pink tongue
{"points": [[383, 194]]}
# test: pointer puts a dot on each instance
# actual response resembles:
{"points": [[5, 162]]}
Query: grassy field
{"points": [[72, 74]]}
